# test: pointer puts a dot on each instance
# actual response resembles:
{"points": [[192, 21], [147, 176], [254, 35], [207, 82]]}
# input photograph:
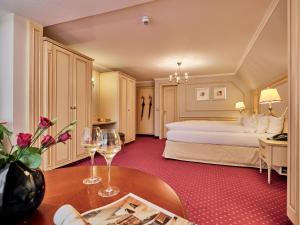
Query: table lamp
{"points": [[269, 96], [240, 106]]}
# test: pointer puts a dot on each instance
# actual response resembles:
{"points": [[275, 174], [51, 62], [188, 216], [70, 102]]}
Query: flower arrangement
{"points": [[25, 150]]}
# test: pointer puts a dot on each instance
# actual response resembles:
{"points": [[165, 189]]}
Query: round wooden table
{"points": [[64, 186]]}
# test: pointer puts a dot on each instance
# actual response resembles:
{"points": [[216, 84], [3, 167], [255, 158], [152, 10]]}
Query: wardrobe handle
{"points": [[73, 107]]}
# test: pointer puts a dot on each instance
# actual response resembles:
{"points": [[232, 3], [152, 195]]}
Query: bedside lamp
{"points": [[240, 106], [269, 96]]}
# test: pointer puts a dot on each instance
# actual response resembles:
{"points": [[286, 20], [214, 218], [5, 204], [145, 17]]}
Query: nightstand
{"points": [[273, 153]]}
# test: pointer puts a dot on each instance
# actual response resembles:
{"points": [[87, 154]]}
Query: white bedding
{"points": [[204, 125], [219, 138]]}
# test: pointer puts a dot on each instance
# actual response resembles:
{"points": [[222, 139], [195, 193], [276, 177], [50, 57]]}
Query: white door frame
{"points": [[161, 114]]}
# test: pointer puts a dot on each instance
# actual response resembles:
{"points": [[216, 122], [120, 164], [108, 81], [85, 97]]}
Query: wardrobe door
{"points": [[48, 90], [123, 105], [130, 131], [81, 102], [60, 101]]}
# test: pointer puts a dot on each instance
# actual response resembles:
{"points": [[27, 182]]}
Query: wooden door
{"points": [[145, 123], [81, 109], [169, 106], [130, 129], [123, 105], [60, 101]]}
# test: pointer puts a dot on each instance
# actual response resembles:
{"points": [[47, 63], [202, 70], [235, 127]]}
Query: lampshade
{"points": [[240, 105], [269, 95]]}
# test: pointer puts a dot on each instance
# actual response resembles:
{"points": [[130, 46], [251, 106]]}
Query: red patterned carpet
{"points": [[211, 194]]}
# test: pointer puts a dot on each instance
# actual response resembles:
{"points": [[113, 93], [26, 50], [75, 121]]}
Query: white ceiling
{"points": [[268, 59], [208, 36], [48, 12]]}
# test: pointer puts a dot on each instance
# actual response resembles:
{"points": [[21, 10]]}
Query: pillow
{"points": [[276, 125], [262, 124], [250, 124]]}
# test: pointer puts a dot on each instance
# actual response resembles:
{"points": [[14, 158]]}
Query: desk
{"points": [[64, 186], [273, 153]]}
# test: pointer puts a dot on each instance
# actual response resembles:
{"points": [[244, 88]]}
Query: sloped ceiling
{"points": [[208, 36], [268, 59], [48, 12]]}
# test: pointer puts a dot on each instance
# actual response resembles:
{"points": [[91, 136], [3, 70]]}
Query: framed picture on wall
{"points": [[202, 94], [220, 93]]}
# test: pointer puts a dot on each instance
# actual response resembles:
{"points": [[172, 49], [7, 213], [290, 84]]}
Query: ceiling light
{"points": [[178, 75]]}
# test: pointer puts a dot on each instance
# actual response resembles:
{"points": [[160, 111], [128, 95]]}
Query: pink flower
{"points": [[23, 140], [45, 123], [64, 137], [47, 141]]}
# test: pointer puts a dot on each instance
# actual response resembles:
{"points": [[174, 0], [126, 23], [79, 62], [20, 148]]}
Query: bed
{"points": [[215, 142]]}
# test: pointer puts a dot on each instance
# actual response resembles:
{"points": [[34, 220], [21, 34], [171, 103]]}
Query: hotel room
{"points": [[149, 112]]}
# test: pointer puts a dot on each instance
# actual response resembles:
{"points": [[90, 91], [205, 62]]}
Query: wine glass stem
{"points": [[108, 162], [92, 163]]}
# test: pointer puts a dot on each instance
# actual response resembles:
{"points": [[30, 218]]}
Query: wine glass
{"points": [[110, 145], [90, 141]]}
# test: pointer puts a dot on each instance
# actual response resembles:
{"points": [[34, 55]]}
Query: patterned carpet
{"points": [[211, 194]]}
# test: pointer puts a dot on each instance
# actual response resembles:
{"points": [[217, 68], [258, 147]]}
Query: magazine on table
{"points": [[132, 210]]}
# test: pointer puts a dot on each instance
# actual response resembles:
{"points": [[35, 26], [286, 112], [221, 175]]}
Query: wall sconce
{"points": [[240, 106], [269, 96], [93, 82]]}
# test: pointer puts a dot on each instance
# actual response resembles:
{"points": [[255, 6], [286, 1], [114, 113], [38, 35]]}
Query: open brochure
{"points": [[128, 210]]}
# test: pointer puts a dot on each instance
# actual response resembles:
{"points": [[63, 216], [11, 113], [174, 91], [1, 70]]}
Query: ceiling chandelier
{"points": [[178, 76]]}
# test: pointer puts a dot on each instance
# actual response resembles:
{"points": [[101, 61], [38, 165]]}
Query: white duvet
{"points": [[217, 138], [205, 125]]}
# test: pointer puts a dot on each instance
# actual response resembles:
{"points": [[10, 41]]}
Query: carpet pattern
{"points": [[211, 194]]}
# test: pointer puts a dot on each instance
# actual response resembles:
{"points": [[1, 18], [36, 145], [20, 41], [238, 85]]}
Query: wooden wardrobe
{"points": [[67, 95], [117, 102]]}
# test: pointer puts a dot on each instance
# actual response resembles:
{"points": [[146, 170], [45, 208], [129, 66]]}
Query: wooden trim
{"points": [[161, 111], [256, 93], [66, 48], [141, 84], [283, 79], [293, 180], [35, 74], [125, 75], [209, 118]]}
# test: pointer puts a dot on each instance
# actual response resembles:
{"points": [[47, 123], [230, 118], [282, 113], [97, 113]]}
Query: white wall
{"points": [[14, 72], [6, 68]]}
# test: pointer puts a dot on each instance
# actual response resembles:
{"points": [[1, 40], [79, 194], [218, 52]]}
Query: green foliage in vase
{"points": [[25, 149]]}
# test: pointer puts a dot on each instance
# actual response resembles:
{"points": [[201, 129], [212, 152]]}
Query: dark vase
{"points": [[23, 191]]}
